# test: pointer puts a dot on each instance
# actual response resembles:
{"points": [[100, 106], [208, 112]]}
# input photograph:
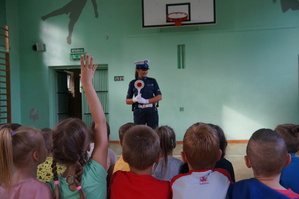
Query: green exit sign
{"points": [[75, 56], [76, 53], [77, 50]]}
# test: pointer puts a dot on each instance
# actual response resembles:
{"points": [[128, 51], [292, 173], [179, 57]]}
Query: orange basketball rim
{"points": [[177, 17]]}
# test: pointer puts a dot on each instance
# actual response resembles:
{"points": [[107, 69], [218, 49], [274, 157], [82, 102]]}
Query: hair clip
{"points": [[12, 132], [56, 182], [78, 188], [172, 142]]}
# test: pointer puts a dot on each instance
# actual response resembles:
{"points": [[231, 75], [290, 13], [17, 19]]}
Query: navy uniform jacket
{"points": [[150, 89]]}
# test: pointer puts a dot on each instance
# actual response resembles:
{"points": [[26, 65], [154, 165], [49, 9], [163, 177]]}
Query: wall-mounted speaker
{"points": [[39, 47]]}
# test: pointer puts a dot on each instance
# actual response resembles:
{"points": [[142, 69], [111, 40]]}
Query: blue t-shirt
{"points": [[252, 189], [93, 182], [290, 175]]}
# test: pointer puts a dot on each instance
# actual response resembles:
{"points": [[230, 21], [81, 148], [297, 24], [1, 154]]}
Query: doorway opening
{"points": [[69, 100], [69, 96]]}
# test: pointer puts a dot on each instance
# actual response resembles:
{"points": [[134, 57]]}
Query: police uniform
{"points": [[146, 114]]}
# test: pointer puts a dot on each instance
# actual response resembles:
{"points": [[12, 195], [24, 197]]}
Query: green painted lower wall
{"points": [[241, 73]]}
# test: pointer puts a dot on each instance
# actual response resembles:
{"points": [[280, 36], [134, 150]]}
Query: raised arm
{"points": [[88, 69]]}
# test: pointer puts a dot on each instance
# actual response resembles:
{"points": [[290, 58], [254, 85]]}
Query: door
{"points": [[71, 101], [62, 95], [100, 82]]}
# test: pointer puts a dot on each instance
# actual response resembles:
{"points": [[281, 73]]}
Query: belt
{"points": [[145, 105]]}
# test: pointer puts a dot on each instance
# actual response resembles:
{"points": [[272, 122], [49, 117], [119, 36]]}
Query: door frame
{"points": [[53, 104]]}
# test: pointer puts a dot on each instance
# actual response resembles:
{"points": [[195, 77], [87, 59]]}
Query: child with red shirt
{"points": [[141, 147]]}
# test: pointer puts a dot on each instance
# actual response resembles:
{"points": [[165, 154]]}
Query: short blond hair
{"points": [[201, 146], [141, 147]]}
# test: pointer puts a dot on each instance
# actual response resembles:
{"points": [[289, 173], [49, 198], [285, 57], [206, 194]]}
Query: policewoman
{"points": [[144, 105]]}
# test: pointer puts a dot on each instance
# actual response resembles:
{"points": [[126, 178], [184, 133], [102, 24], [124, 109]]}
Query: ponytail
{"points": [[6, 158], [79, 171], [70, 142], [55, 178], [14, 150], [167, 144], [74, 182]]}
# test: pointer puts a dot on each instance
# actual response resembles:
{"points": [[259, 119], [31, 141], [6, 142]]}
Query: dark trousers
{"points": [[147, 116]]}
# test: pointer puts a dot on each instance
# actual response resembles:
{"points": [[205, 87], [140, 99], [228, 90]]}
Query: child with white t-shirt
{"points": [[201, 152]]}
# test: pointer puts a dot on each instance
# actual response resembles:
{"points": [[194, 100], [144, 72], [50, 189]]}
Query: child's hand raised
{"points": [[87, 69]]}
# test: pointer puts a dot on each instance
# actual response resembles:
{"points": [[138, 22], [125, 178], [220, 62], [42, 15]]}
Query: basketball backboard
{"points": [[155, 12]]}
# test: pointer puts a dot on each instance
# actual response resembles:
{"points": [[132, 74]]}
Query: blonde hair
{"points": [[15, 149], [6, 158], [141, 147], [201, 146]]}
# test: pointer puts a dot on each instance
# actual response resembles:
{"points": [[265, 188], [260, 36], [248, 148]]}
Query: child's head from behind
{"points": [[47, 135], [141, 147], [201, 146], [123, 129], [290, 134], [19, 148], [222, 138], [70, 144], [167, 139], [91, 131], [266, 153], [70, 141], [12, 126], [26, 141]]}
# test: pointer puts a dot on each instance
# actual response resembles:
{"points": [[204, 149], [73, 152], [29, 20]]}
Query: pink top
{"points": [[27, 189], [289, 193]]}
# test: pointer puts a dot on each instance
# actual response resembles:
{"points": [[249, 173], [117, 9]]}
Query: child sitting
{"points": [[140, 151], [290, 175], [111, 156], [83, 177], [23, 149], [267, 155], [201, 152], [223, 163], [168, 166], [44, 170], [120, 163]]}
